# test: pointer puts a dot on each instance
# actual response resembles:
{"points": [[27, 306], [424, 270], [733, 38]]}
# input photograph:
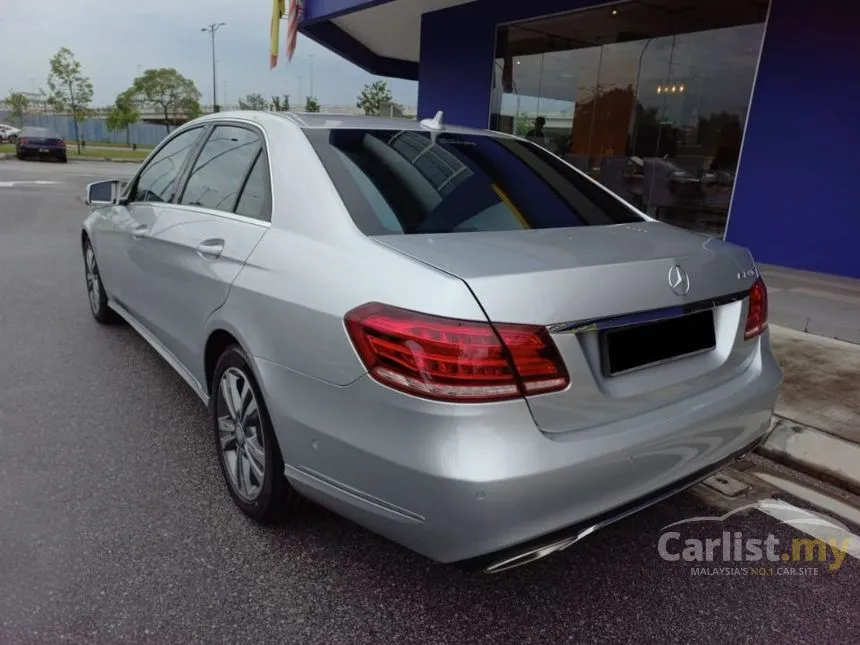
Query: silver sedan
{"points": [[449, 336]]}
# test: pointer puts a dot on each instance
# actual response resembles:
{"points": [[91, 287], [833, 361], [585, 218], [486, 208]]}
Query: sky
{"points": [[114, 39]]}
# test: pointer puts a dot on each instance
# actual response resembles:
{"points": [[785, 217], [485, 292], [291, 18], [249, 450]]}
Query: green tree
{"points": [[373, 96], [281, 104], [312, 105], [122, 115], [18, 106], [253, 102], [524, 124], [167, 91], [71, 91]]}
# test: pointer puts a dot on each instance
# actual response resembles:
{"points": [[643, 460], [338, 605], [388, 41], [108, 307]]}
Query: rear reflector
{"points": [[757, 312], [454, 360]]}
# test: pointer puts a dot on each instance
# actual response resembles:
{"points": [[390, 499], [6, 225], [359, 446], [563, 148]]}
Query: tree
{"points": [[312, 105], [122, 115], [18, 106], [373, 96], [71, 91], [167, 91], [281, 104], [253, 102]]}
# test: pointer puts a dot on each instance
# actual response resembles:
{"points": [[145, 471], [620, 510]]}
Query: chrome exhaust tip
{"points": [[538, 553]]}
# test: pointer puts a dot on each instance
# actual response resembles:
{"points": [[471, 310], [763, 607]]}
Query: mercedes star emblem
{"points": [[679, 281]]}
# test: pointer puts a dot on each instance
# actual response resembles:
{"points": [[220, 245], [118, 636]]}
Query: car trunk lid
{"points": [[606, 294]]}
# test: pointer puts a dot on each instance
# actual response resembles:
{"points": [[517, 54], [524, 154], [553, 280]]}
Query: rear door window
{"points": [[415, 181], [220, 171]]}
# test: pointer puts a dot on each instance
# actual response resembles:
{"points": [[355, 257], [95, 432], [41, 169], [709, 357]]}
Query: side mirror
{"points": [[102, 193]]}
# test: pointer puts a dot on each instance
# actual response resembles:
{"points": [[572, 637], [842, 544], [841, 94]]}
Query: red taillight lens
{"points": [[23, 141], [757, 312], [454, 360]]}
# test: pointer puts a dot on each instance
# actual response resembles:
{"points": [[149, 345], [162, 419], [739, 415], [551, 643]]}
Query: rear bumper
{"points": [[456, 482], [36, 151]]}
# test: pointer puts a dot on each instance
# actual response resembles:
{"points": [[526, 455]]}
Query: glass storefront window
{"points": [[648, 100]]}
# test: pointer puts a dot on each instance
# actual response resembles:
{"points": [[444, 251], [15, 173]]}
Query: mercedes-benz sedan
{"points": [[449, 336]]}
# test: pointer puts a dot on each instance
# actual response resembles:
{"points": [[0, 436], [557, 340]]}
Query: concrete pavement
{"points": [[824, 305], [818, 414]]}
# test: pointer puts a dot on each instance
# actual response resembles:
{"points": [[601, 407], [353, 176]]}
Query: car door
{"points": [[119, 246], [197, 245]]}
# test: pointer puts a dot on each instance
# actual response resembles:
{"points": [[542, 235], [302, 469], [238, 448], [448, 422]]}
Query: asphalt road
{"points": [[115, 525]]}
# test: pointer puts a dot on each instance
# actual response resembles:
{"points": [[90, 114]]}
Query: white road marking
{"points": [[785, 512], [38, 182]]}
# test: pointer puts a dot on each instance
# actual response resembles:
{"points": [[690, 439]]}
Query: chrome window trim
{"points": [[225, 214]]}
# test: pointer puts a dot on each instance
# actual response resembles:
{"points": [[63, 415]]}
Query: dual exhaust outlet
{"points": [[538, 553]]}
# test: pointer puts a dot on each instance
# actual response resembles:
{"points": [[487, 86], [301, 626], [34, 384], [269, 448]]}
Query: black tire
{"points": [[20, 156], [96, 291], [64, 159], [275, 498]]}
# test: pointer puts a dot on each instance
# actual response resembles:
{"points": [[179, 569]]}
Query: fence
{"points": [[143, 134]]}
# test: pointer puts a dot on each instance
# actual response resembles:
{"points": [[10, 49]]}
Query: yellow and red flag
{"points": [[294, 17]]}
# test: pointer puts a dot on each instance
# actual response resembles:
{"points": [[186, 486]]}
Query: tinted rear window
{"points": [[411, 182], [39, 132]]}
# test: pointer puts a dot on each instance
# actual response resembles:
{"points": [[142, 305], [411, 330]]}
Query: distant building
{"points": [[37, 103]]}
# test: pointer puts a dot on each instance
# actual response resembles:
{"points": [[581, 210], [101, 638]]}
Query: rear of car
{"points": [[618, 360], [40, 143]]}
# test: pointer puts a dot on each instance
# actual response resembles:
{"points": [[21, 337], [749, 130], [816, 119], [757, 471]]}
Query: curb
{"points": [[114, 160], [814, 452]]}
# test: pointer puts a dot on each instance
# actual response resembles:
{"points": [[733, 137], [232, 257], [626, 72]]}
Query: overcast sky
{"points": [[114, 38]]}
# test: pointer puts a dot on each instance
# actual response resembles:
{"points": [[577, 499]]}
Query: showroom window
{"points": [[649, 99]]}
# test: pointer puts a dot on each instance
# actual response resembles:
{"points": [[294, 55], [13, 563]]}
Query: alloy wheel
{"points": [[93, 280], [240, 434]]}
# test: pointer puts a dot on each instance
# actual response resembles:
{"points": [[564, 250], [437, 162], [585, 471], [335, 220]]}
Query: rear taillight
{"points": [[22, 141], [454, 360], [757, 312]]}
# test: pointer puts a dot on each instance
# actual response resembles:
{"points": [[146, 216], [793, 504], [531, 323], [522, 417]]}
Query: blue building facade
{"points": [[749, 103]]}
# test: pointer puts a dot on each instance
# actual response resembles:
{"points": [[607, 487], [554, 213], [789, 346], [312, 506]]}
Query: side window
{"points": [[156, 182], [254, 200], [221, 168]]}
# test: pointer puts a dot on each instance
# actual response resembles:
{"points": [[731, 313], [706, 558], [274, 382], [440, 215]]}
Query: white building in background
{"points": [[37, 103]]}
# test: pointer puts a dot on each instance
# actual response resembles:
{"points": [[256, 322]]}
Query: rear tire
{"points": [[248, 451], [64, 159], [95, 289]]}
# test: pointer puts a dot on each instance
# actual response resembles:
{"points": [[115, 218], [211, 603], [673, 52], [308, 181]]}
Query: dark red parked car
{"points": [[41, 143]]}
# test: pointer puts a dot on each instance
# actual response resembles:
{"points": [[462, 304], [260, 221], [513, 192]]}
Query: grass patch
{"points": [[119, 153]]}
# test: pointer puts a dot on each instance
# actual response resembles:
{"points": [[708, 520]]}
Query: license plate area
{"points": [[43, 150], [635, 347]]}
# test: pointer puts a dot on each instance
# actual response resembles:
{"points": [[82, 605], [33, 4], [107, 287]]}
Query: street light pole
{"points": [[311, 93], [212, 29]]}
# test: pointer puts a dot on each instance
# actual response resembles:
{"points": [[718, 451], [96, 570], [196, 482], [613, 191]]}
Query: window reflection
{"points": [[647, 100]]}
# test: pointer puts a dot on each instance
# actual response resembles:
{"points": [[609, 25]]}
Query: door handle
{"points": [[139, 231], [211, 249]]}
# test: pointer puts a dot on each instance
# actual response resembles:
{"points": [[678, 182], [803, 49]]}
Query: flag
{"points": [[297, 12], [275, 32]]}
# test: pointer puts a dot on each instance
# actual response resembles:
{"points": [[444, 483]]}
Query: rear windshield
{"points": [[406, 182]]}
